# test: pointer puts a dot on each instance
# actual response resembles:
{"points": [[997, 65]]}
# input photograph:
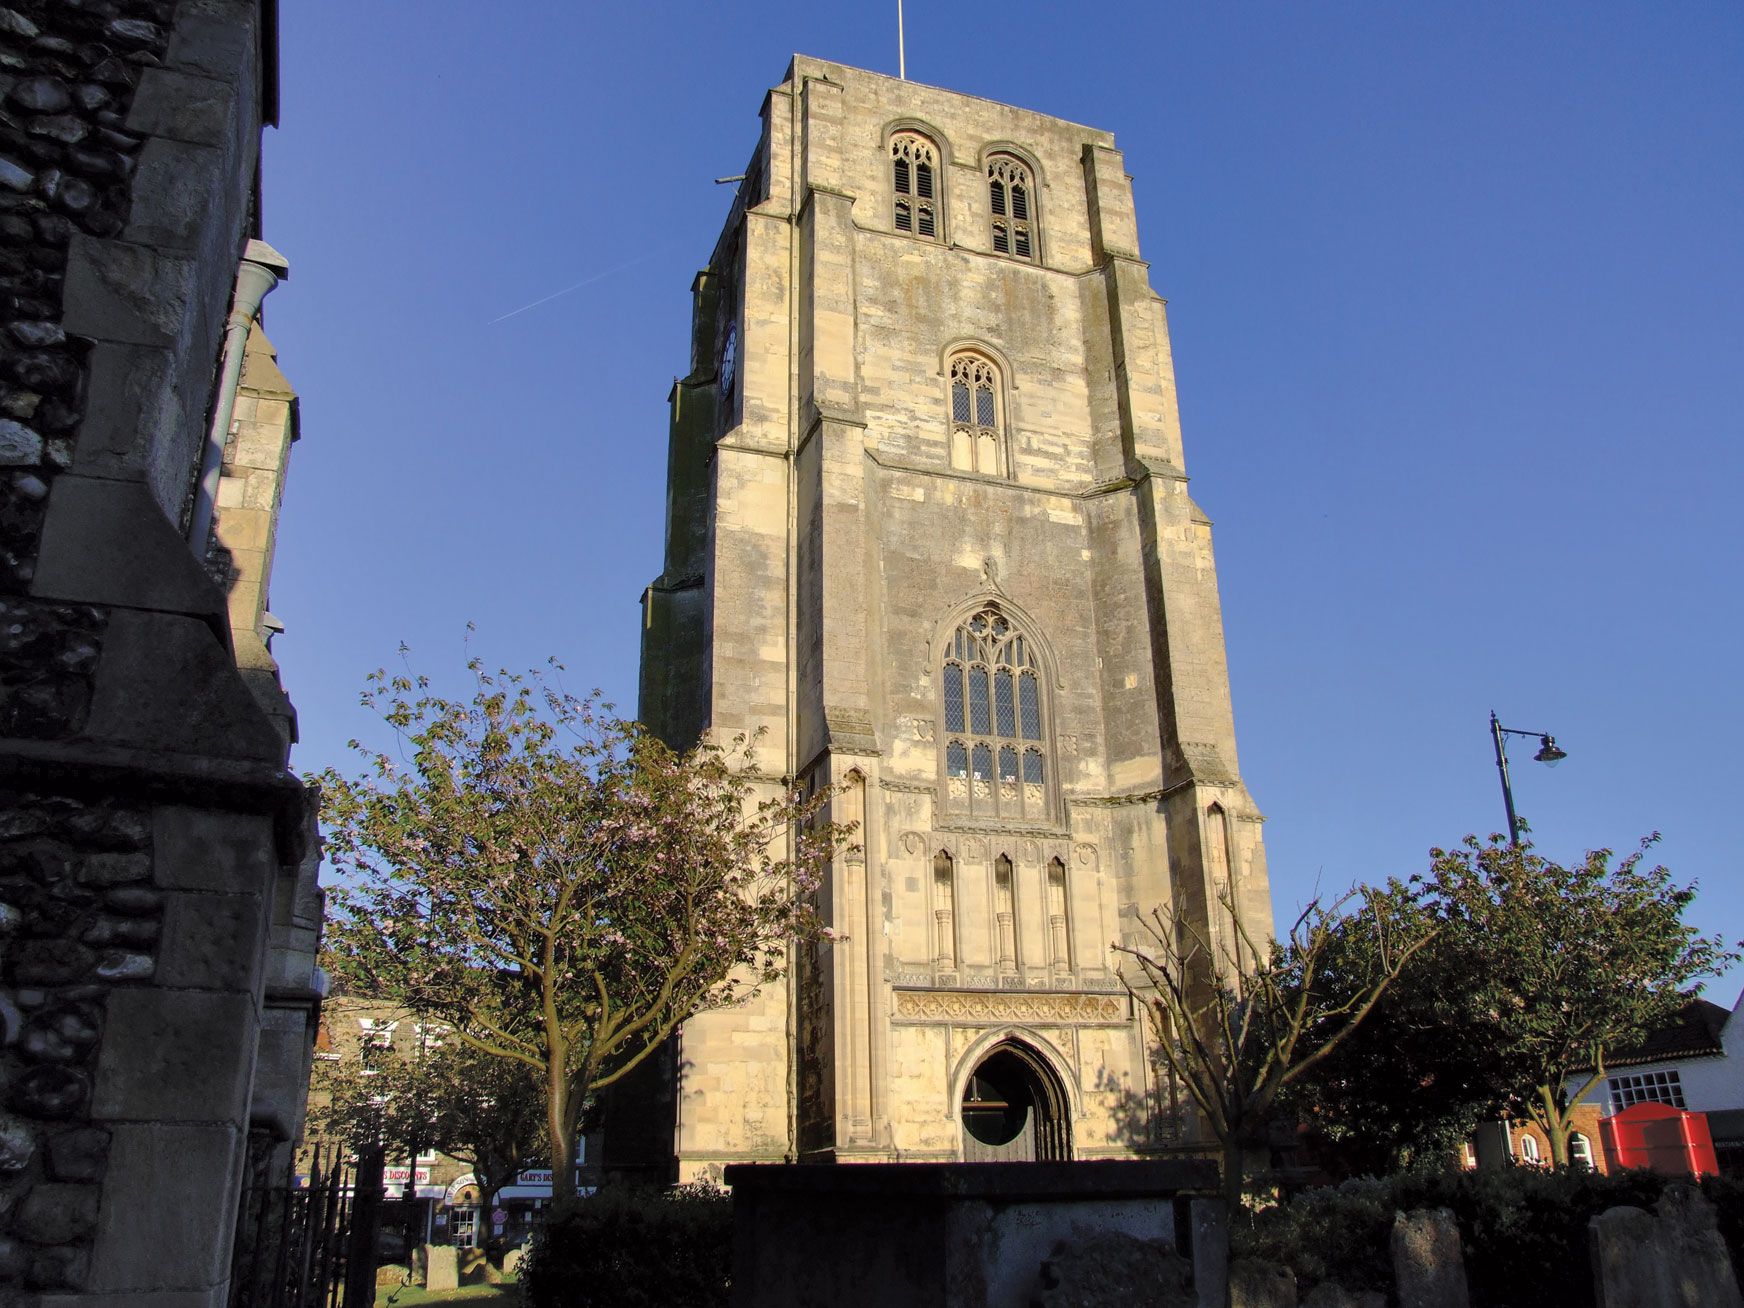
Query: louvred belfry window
{"points": [[1011, 196], [914, 163], [996, 763]]}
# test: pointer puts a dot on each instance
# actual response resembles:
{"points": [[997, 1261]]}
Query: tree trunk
{"points": [[1557, 1124], [561, 1127], [1234, 1156]]}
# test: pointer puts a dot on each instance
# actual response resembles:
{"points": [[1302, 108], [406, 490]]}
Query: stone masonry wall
{"points": [[68, 75], [78, 910], [808, 594], [148, 825]]}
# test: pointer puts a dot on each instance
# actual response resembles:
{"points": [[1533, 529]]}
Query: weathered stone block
{"points": [[108, 543], [105, 869], [1106, 1268], [1701, 1269], [59, 1269], [1428, 1263], [1629, 1269], [205, 849], [172, 194], [50, 1091], [221, 47], [1673, 1257], [183, 107], [78, 1154], [17, 1144], [1210, 1219], [1330, 1294], [174, 1056], [442, 1267], [14, 1258], [166, 682], [212, 942], [57, 1214], [120, 292], [1254, 1283], [166, 1189]]}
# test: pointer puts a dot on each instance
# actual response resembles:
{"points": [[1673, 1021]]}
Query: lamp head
{"points": [[1549, 754]]}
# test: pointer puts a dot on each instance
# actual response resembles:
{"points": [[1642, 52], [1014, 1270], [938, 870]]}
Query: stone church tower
{"points": [[929, 532]]}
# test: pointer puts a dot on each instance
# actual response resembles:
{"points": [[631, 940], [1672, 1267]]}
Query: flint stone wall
{"points": [[147, 821]]}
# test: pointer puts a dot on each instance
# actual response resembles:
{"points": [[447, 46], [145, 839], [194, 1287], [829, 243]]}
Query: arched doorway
{"points": [[1014, 1109]]}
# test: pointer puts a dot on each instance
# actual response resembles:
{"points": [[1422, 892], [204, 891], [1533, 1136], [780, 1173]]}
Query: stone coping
{"points": [[1093, 1179]]}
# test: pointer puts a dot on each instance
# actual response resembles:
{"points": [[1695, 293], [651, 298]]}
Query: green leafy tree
{"points": [[1412, 1082], [557, 886], [1562, 965], [1236, 1020], [488, 1112]]}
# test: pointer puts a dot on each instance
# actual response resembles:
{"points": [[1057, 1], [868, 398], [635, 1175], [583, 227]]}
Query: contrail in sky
{"points": [[609, 272]]}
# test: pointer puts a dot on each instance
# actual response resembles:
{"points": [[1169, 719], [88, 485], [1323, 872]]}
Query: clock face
{"points": [[730, 360]]}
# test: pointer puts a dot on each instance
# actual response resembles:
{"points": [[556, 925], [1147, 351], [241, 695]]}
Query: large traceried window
{"points": [[977, 426], [996, 763], [914, 164], [1011, 196]]}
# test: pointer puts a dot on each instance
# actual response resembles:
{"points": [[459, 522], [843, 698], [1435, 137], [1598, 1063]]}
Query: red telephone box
{"points": [[1668, 1140]]}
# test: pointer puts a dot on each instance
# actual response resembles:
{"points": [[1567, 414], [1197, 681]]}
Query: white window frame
{"points": [[1662, 1086], [1580, 1151]]}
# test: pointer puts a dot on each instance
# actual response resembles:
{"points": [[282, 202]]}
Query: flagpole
{"points": [[901, 53]]}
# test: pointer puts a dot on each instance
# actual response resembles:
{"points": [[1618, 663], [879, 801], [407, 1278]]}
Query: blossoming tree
{"points": [[556, 885]]}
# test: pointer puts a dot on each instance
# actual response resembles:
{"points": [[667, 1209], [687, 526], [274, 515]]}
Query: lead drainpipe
{"points": [[261, 269]]}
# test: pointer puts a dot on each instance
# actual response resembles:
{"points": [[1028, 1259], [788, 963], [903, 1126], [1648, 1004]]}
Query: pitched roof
{"points": [[1691, 1032]]}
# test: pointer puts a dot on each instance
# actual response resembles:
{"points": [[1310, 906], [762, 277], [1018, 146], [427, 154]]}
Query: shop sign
{"points": [[541, 1176]]}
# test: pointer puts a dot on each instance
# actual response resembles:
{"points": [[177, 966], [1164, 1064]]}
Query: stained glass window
{"points": [[995, 755], [977, 439]]}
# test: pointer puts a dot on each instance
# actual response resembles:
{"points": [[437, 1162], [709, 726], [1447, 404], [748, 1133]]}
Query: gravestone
{"points": [[1702, 1275], [1210, 1218], [1428, 1265], [1629, 1268], [1105, 1267], [1672, 1257], [443, 1268], [1330, 1294], [1254, 1283]]}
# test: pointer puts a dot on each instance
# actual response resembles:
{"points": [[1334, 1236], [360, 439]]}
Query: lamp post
{"points": [[1548, 754]]}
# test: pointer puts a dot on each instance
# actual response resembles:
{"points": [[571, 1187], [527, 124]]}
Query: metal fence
{"points": [[310, 1245]]}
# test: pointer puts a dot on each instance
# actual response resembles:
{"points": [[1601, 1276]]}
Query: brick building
{"points": [[930, 533]]}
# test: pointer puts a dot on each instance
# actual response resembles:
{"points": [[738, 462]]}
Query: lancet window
{"points": [[914, 166], [996, 760], [1011, 196], [977, 425]]}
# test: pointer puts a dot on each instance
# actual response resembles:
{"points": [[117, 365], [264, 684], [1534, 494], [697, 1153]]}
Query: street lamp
{"points": [[1548, 754]]}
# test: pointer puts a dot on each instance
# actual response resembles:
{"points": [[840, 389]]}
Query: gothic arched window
{"points": [[914, 166], [1011, 196], [996, 760], [977, 420]]}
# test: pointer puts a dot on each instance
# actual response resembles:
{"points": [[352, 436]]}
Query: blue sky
{"points": [[1457, 300]]}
